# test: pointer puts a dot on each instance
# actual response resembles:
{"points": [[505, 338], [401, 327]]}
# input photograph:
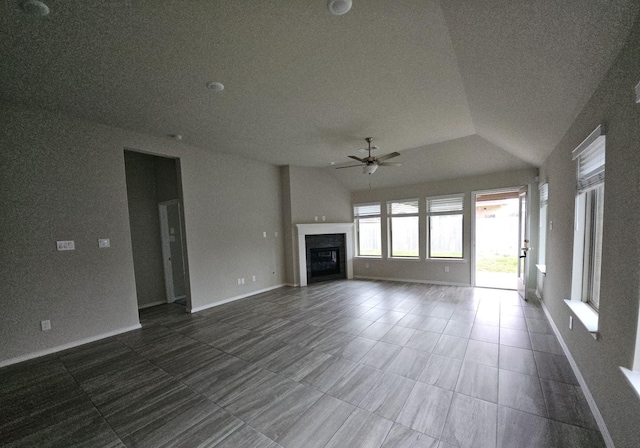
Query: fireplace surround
{"points": [[345, 229]]}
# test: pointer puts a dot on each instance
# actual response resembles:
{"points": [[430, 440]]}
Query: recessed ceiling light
{"points": [[338, 7], [215, 86], [332, 163], [35, 8], [176, 137]]}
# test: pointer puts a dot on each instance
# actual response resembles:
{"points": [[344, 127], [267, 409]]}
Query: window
{"points": [[403, 228], [445, 218], [367, 218], [587, 250]]}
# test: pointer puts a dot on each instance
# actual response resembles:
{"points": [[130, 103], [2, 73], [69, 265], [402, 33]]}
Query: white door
{"points": [[172, 250], [523, 260]]}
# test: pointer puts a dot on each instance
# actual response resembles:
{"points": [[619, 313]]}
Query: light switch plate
{"points": [[66, 245], [45, 325], [104, 242]]}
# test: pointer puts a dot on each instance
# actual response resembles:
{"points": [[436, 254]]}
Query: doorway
{"points": [[500, 224], [154, 187]]}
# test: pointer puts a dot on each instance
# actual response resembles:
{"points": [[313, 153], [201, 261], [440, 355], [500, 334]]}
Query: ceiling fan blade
{"points": [[348, 166], [390, 164], [356, 158], [388, 156]]}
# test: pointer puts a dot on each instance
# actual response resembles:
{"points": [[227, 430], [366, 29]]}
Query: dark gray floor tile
{"points": [[546, 343], [471, 423], [522, 430], [566, 403], [485, 333], [441, 371], [354, 385], [478, 381], [569, 436], [391, 317], [517, 360], [515, 338], [458, 328], [324, 376], [414, 321], [423, 340], [387, 397], [434, 324], [464, 315], [522, 392], [442, 312], [409, 363], [361, 430], [451, 346], [398, 335], [354, 350], [245, 437], [318, 425], [376, 331], [381, 355], [426, 409], [403, 437], [482, 353], [538, 326], [302, 367], [554, 367]]}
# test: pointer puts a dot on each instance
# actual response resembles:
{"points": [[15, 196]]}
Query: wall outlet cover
{"points": [[45, 325], [104, 242], [65, 245]]}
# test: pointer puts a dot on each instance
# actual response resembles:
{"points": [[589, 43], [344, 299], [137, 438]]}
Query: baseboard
{"points": [[293, 285], [409, 280], [583, 384], [233, 299], [59, 348], [149, 305]]}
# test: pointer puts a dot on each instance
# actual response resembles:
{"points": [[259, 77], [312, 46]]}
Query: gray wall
{"points": [[612, 105], [433, 270], [309, 193], [64, 178]]}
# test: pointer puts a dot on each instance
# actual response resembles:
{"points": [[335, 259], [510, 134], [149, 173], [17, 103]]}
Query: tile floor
{"points": [[339, 364]]}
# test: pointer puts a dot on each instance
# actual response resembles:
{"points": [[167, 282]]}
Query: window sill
{"points": [[375, 257], [587, 315], [404, 258], [447, 260], [633, 378]]}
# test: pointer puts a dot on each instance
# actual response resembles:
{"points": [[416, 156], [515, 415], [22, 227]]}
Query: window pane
{"points": [[445, 236], [369, 237], [593, 246], [404, 236]]}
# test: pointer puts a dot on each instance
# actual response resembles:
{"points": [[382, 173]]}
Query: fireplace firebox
{"points": [[325, 257]]}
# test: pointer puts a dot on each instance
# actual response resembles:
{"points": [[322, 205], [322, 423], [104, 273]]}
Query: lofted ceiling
{"points": [[458, 87]]}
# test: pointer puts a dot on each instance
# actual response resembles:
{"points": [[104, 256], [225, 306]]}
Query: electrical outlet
{"points": [[264, 234], [276, 234], [65, 245], [570, 322], [239, 282], [103, 243], [446, 269], [45, 325], [242, 280], [366, 265], [324, 218], [253, 277], [316, 218]]}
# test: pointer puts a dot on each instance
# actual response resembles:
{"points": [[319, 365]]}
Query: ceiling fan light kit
{"points": [[371, 163], [34, 8], [339, 7]]}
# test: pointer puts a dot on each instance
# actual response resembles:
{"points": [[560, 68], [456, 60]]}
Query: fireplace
{"points": [[325, 257], [340, 235]]}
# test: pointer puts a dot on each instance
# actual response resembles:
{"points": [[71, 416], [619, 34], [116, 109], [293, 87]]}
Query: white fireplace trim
{"points": [[321, 229]]}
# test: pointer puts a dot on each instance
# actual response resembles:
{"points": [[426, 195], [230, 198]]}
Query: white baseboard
{"points": [[583, 384], [149, 305], [409, 280], [233, 299], [293, 285], [59, 348]]}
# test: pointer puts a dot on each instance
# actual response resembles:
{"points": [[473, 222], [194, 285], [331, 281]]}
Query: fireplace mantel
{"points": [[320, 229]]}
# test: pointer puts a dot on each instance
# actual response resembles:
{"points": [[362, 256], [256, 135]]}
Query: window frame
{"points": [[429, 214], [357, 217], [391, 215]]}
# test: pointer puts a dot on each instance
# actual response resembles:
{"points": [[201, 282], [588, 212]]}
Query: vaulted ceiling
{"points": [[458, 87]]}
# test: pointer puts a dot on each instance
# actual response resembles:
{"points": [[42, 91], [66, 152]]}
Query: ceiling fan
{"points": [[370, 163]]}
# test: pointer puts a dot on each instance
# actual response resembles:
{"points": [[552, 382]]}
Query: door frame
{"points": [[474, 195], [165, 239]]}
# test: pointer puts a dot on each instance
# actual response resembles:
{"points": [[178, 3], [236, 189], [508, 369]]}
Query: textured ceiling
{"points": [[458, 87]]}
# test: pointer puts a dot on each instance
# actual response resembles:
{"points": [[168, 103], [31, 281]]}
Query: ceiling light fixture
{"points": [[176, 137], [215, 86], [35, 8], [369, 169], [339, 7]]}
